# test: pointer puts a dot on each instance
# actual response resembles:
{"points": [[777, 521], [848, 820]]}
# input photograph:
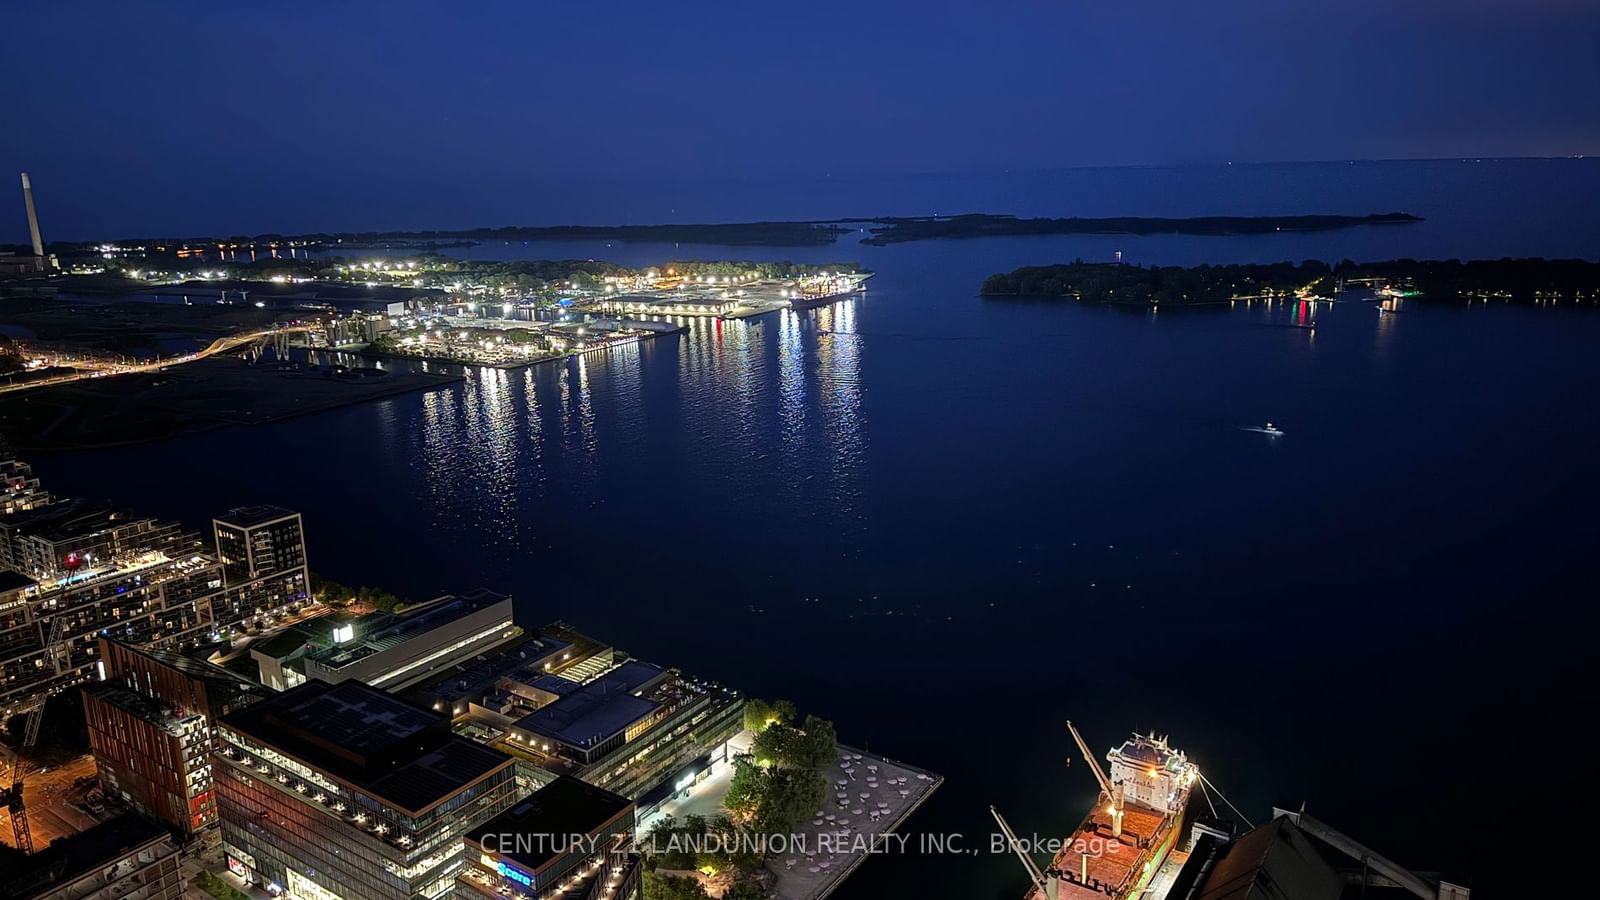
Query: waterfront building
{"points": [[94, 570], [346, 791], [568, 838], [262, 550], [585, 722], [387, 650], [395, 651], [257, 541], [576, 706], [694, 305], [19, 488], [152, 728], [74, 570], [470, 681], [125, 858], [1298, 856]]}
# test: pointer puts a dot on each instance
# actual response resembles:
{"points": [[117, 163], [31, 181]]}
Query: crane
{"points": [[19, 763], [1047, 885], [1113, 792]]}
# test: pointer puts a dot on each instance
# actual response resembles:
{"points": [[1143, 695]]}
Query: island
{"points": [[792, 233], [921, 228], [1526, 281], [143, 349]]}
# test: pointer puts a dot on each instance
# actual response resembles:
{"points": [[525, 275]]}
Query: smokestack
{"points": [[33, 217]]}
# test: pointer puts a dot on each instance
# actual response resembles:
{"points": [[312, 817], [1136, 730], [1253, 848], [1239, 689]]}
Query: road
{"points": [[220, 345], [50, 810]]}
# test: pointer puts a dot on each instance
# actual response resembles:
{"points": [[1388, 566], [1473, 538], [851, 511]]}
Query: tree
{"points": [[657, 886], [757, 715], [746, 787], [745, 889]]}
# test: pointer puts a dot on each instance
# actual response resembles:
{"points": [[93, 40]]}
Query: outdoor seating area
{"points": [[870, 797]]}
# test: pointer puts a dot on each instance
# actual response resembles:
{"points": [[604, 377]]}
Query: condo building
{"points": [[256, 541], [94, 569], [19, 488], [74, 570], [152, 728], [346, 791]]}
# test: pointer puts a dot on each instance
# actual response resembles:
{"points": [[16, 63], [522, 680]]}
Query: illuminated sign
{"points": [[516, 875]]}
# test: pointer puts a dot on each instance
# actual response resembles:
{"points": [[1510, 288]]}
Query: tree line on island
{"points": [[1503, 280], [921, 228], [790, 233], [781, 782]]}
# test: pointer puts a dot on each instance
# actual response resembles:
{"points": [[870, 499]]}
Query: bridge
{"points": [[225, 344]]}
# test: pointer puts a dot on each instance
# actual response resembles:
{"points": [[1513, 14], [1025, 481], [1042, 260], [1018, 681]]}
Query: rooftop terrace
{"points": [[370, 739]]}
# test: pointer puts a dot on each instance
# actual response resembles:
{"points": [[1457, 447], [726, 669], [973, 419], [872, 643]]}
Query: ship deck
{"points": [[1093, 865]]}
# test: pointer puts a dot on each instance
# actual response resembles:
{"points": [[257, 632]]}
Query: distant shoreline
{"points": [[1543, 282], [792, 233]]}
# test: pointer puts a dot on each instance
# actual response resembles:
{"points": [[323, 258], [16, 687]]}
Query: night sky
{"points": [[166, 117]]}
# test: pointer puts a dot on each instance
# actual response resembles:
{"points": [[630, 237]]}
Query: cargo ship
{"points": [[829, 290], [1119, 849]]}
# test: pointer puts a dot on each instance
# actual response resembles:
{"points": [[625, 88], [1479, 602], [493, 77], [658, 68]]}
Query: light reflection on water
{"points": [[1043, 510]]}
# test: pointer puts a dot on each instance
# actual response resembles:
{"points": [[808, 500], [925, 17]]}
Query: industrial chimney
{"points": [[33, 217]]}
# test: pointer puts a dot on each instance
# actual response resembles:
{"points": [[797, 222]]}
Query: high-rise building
{"points": [[125, 858], [152, 726], [346, 791], [19, 488], [95, 570], [257, 541], [80, 569]]}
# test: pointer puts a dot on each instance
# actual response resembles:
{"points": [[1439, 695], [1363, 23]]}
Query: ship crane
{"points": [[1113, 792], [1048, 886]]}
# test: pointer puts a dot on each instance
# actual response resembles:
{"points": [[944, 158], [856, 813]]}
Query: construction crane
{"points": [[1047, 885], [1113, 792], [19, 762]]}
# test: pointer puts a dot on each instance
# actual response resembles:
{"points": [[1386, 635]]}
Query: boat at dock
{"points": [[832, 293], [1120, 848]]}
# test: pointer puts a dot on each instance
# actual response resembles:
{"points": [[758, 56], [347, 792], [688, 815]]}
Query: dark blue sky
{"points": [[141, 118]]}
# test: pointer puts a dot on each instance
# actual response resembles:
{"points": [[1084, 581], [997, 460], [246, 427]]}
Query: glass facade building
{"points": [[346, 791]]}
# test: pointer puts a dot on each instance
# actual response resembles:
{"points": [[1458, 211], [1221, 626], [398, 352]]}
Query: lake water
{"points": [[950, 524]]}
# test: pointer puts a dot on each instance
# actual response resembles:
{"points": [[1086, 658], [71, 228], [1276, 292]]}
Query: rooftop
{"points": [[470, 677], [558, 811], [388, 631], [68, 519], [251, 516], [370, 739], [552, 684], [75, 855], [599, 709], [145, 708], [198, 669]]}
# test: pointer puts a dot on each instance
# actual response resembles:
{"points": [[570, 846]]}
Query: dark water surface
{"points": [[950, 524]]}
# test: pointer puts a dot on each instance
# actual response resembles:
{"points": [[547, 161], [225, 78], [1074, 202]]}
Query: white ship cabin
{"points": [[1152, 774]]}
